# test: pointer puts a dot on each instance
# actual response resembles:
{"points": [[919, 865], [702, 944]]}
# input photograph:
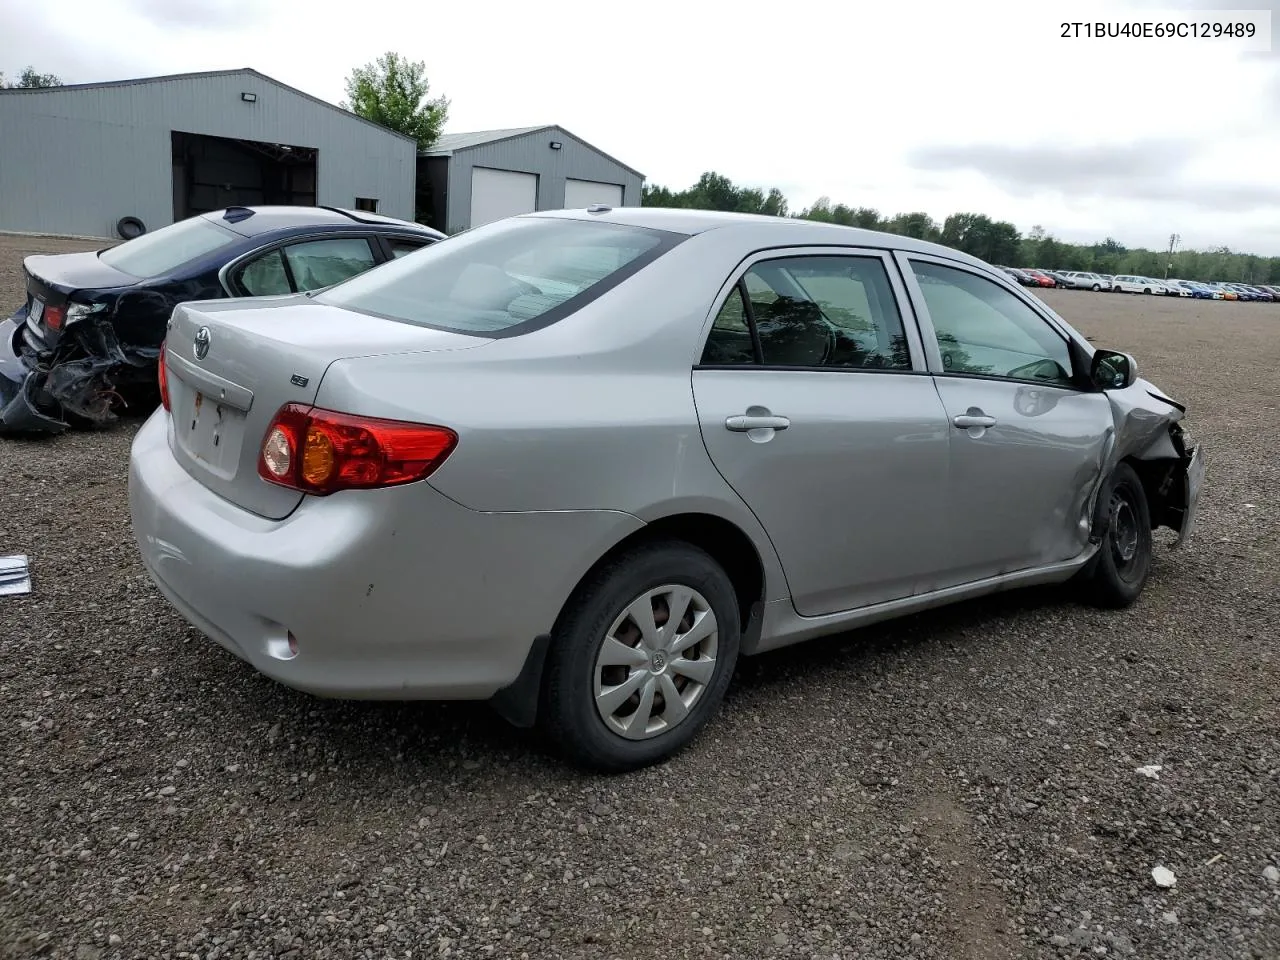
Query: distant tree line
{"points": [[995, 241]]}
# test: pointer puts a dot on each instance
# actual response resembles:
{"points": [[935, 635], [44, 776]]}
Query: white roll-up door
{"points": [[501, 193], [583, 193]]}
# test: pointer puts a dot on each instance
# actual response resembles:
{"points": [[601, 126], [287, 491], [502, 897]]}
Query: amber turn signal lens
{"points": [[318, 459]]}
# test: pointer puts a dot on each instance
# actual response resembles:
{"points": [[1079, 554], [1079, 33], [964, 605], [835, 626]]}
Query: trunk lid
{"points": [[250, 360], [51, 275], [51, 280]]}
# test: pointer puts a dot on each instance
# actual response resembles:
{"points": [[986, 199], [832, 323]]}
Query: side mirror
{"points": [[1112, 370]]}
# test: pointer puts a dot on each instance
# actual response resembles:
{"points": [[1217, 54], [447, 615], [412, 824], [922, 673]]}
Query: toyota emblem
{"points": [[202, 341]]}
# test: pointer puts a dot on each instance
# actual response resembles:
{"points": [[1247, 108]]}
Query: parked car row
{"points": [[1130, 283]]}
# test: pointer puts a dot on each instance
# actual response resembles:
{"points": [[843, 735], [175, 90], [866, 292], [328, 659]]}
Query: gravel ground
{"points": [[958, 785]]}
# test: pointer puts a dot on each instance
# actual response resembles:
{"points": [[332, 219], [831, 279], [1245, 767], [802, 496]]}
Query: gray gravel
{"points": [[960, 785]]}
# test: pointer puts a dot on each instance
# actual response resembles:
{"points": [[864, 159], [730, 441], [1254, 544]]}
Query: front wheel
{"points": [[1117, 574], [641, 658], [1097, 287]]}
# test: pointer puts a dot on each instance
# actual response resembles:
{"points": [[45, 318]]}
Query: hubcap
{"points": [[1124, 529], [656, 661]]}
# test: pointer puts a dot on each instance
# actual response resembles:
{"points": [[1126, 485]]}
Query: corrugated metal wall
{"points": [[532, 153], [76, 160]]}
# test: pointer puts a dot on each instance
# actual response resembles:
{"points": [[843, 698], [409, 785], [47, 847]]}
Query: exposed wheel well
{"points": [[728, 546], [1160, 483]]}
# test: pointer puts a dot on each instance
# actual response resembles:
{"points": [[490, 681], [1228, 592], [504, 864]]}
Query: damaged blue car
{"points": [[84, 345]]}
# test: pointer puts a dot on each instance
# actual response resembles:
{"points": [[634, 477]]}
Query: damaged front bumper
{"points": [[1192, 479], [41, 390]]}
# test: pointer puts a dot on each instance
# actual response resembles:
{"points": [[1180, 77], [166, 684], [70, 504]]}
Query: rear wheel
{"points": [[641, 658], [1119, 572]]}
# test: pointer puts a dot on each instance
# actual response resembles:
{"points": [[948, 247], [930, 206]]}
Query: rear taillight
{"points": [[162, 374], [322, 451], [54, 317]]}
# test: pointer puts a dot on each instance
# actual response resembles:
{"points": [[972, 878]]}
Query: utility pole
{"points": [[1174, 239]]}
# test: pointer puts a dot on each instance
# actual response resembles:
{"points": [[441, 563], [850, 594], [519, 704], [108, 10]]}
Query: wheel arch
{"points": [[722, 539]]}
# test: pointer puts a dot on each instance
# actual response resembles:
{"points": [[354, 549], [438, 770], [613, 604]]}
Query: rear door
{"points": [[816, 407], [1026, 441]]}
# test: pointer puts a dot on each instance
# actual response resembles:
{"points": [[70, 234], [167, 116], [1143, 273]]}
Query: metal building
{"points": [[469, 179], [78, 159]]}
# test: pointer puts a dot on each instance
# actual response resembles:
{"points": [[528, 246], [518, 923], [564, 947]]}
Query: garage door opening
{"points": [[584, 193], [496, 194], [210, 173]]}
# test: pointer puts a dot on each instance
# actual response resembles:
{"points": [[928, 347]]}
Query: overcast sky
{"points": [[937, 106]]}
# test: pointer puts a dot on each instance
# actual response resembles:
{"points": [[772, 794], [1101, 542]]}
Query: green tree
{"points": [[918, 225], [393, 92], [30, 80]]}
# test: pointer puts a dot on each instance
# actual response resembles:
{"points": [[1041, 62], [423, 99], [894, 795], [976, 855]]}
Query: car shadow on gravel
{"points": [[377, 744]]}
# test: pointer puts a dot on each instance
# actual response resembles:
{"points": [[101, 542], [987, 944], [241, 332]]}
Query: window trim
{"points": [[736, 282], [934, 355]]}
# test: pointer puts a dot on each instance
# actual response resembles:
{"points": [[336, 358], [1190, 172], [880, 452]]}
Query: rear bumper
{"points": [[391, 594]]}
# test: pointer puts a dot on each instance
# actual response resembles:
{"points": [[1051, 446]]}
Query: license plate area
{"points": [[208, 431]]}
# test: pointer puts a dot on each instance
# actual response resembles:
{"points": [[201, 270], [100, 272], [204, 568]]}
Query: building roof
{"points": [[450, 143], [241, 71]]}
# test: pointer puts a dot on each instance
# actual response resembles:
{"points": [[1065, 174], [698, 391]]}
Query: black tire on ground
{"points": [[1117, 574], [1097, 287], [568, 715]]}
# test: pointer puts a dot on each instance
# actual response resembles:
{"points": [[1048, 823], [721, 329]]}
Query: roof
{"points": [[780, 231], [266, 219], [450, 143], [238, 72]]}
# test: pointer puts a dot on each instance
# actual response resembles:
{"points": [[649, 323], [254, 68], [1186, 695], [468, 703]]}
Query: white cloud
{"points": [[818, 98]]}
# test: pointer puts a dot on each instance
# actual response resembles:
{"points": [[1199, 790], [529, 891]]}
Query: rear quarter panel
{"points": [[595, 412]]}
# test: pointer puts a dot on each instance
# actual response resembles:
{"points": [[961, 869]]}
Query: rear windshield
{"points": [[503, 278], [155, 254]]}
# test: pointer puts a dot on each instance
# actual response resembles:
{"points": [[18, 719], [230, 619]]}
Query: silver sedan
{"points": [[577, 463]]}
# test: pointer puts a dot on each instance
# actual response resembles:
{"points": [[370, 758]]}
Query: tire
{"points": [[1097, 287], [1118, 573], [130, 228], [599, 610]]}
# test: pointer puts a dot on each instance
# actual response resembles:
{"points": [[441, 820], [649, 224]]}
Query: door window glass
{"points": [[400, 247], [819, 311], [984, 329], [321, 263], [730, 339], [265, 277]]}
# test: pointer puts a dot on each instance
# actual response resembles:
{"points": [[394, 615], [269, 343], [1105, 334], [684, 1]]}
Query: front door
{"points": [[816, 406], [1027, 441]]}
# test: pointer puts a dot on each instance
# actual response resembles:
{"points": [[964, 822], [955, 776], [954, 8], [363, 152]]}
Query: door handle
{"points": [[966, 420], [742, 424]]}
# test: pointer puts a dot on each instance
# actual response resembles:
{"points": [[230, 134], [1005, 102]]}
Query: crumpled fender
{"points": [[1142, 416]]}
